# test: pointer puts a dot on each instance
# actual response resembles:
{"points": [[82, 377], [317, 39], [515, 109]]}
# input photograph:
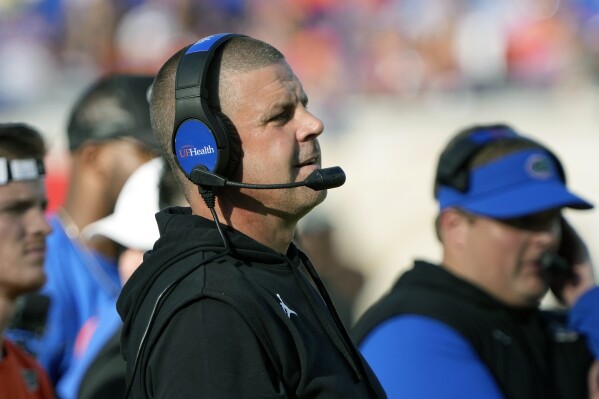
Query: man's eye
{"points": [[21, 208], [15, 209], [282, 117], [532, 223]]}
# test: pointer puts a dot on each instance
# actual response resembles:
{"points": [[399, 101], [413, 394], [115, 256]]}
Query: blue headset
{"points": [[200, 137]]}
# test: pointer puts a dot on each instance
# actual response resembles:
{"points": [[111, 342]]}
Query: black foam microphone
{"points": [[31, 312], [321, 179]]}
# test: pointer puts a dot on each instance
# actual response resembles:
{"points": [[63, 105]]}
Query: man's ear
{"points": [[453, 227], [88, 154]]}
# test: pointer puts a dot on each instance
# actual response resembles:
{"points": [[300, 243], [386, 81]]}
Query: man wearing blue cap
{"points": [[471, 327]]}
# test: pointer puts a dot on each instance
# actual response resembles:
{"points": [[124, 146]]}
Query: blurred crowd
{"points": [[398, 47]]}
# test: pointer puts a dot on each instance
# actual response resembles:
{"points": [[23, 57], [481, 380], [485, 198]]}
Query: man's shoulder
{"points": [[214, 277], [18, 356], [207, 282], [30, 372], [426, 290]]}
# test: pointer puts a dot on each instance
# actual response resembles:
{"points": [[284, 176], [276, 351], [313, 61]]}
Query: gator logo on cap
{"points": [[539, 167]]}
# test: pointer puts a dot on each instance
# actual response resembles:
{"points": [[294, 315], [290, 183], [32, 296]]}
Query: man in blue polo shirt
{"points": [[471, 327]]}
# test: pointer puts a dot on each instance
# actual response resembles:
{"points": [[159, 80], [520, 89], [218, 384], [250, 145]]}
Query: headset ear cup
{"points": [[234, 143], [195, 143]]}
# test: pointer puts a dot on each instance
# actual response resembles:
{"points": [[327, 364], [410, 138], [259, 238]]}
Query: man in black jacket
{"points": [[235, 310], [471, 327]]}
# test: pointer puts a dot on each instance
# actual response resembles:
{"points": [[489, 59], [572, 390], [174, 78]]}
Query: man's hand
{"points": [[581, 279]]}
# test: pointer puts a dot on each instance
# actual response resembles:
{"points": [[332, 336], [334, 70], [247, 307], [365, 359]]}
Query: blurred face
{"points": [[502, 256], [121, 158], [23, 229], [279, 137]]}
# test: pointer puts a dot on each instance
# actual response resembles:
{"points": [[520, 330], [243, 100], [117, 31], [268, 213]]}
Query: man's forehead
{"points": [[275, 73], [268, 88]]}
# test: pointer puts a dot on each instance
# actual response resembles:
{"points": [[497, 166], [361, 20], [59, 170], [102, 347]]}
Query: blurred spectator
{"points": [[470, 326], [98, 369], [27, 70], [394, 47], [109, 137], [540, 44], [23, 230], [480, 48], [146, 36]]}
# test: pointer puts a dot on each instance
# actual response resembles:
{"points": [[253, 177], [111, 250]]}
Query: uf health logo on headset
{"points": [[195, 145]]}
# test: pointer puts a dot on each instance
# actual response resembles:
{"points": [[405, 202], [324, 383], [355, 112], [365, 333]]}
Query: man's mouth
{"points": [[307, 162]]}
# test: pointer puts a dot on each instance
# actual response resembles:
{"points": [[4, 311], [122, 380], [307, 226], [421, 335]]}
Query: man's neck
{"points": [[80, 212], [267, 229], [7, 307], [86, 200], [269, 232]]}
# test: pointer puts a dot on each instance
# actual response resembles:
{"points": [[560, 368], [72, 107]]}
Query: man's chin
{"points": [[317, 198], [533, 296]]}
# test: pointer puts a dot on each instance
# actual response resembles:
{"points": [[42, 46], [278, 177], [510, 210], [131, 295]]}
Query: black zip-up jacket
{"points": [[541, 358], [248, 324]]}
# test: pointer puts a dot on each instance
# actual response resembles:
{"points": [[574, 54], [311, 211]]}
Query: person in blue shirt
{"points": [[471, 327], [109, 136], [98, 369]]}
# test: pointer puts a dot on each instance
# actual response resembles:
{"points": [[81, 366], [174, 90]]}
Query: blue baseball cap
{"points": [[519, 184]]}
